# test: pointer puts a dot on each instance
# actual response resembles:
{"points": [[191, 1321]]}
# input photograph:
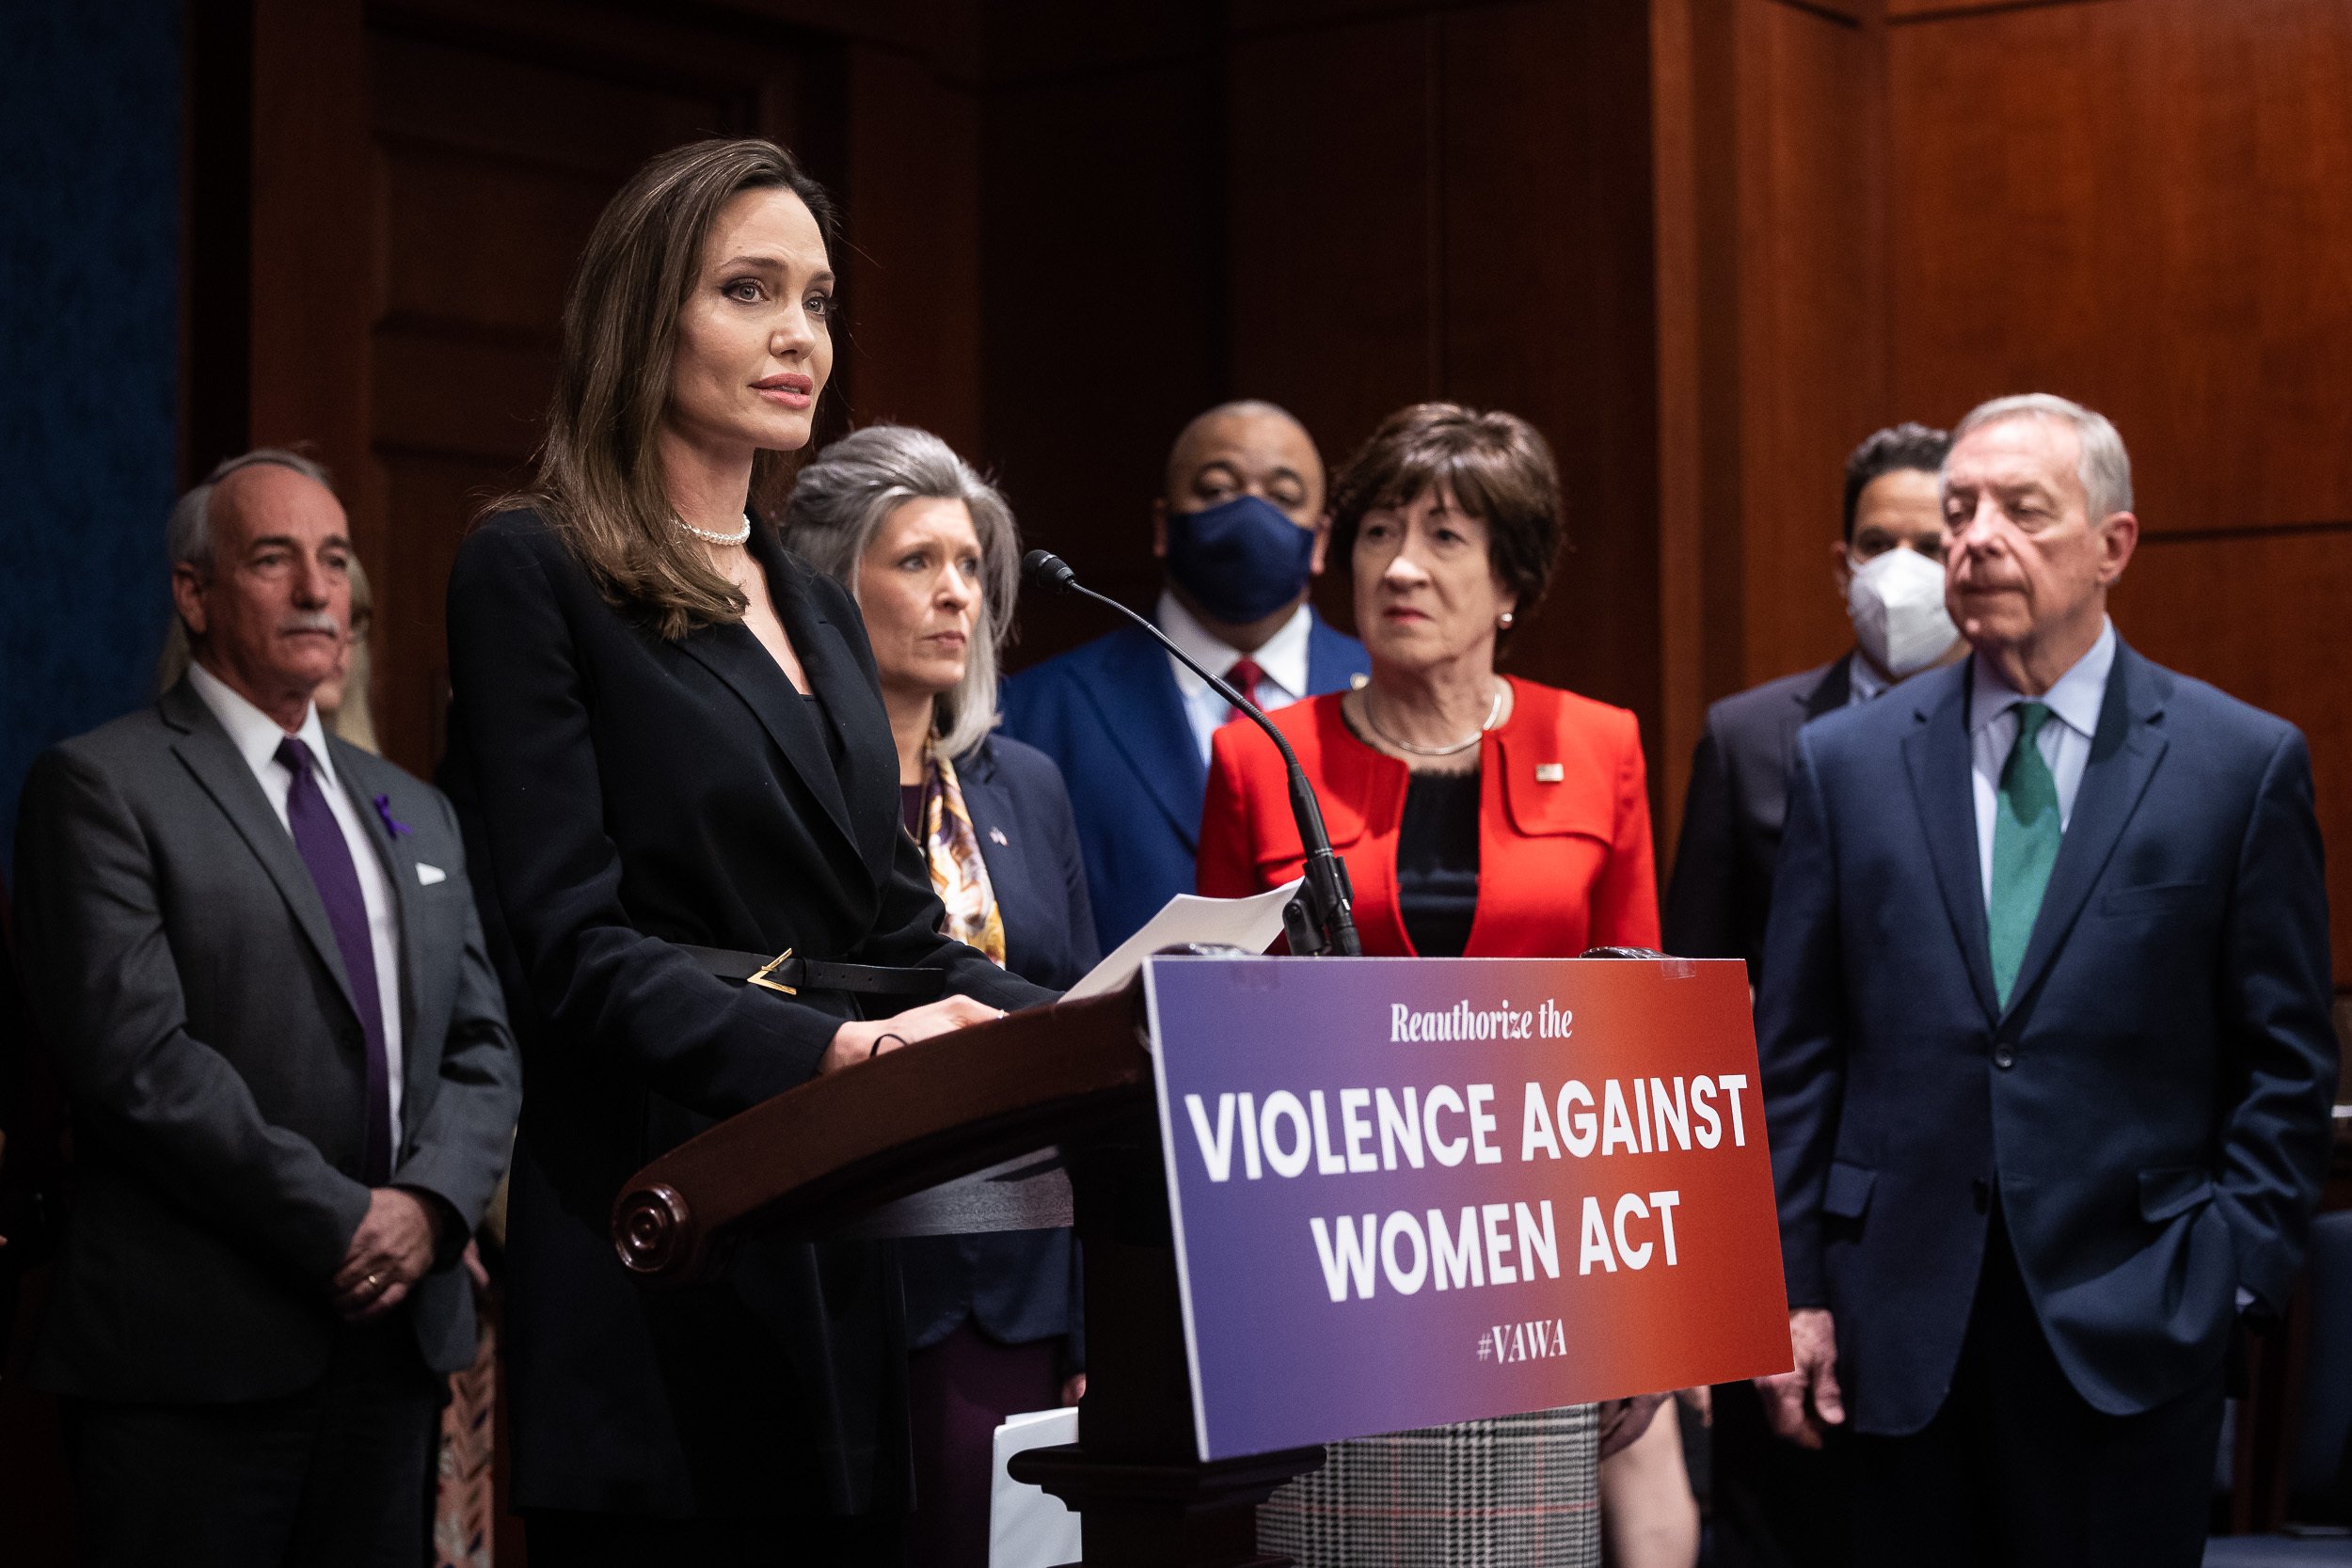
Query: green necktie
{"points": [[2025, 847]]}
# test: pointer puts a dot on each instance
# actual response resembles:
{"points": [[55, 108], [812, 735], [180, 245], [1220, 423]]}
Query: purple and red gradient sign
{"points": [[1413, 1191]]}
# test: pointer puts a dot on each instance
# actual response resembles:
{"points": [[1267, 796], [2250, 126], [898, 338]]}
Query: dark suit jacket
{"points": [[1109, 713], [179, 967], [2152, 1108], [1722, 887], [1015, 1286], [633, 793]]}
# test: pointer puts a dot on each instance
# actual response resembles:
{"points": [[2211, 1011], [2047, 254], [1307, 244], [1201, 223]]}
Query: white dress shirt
{"points": [[256, 737], [1282, 658], [2065, 739], [1862, 682]]}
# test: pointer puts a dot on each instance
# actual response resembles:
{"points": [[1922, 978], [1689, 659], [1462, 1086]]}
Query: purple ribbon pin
{"points": [[393, 826]]}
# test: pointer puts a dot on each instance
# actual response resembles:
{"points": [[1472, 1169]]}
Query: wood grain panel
{"points": [[1938, 10], [2140, 205], [315, 233], [495, 144], [2261, 617], [451, 86], [1336, 289], [470, 250], [912, 271], [1547, 276], [432, 495], [1813, 368], [1101, 315], [446, 392]]}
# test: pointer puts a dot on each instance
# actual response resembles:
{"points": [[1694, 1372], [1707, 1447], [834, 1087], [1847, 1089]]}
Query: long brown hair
{"points": [[598, 484]]}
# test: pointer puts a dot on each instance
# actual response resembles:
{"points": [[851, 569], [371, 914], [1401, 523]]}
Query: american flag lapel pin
{"points": [[1550, 772]]}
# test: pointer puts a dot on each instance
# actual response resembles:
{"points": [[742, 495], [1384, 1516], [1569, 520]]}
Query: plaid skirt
{"points": [[1498, 1494]]}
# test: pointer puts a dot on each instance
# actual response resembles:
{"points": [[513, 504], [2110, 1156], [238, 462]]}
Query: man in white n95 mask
{"points": [[1778, 1501]]}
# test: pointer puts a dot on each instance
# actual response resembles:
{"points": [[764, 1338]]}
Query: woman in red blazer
{"points": [[1480, 815]]}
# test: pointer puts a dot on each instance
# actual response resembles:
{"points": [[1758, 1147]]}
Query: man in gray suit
{"points": [[252, 950]]}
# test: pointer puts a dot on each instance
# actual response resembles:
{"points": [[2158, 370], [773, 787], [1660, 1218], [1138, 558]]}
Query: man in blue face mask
{"points": [[1240, 529]]}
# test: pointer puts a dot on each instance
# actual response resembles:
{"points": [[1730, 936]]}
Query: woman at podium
{"points": [[1481, 816], [681, 792], [929, 551]]}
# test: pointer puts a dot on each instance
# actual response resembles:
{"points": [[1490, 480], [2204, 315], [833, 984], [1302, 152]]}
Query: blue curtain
{"points": [[89, 322]]}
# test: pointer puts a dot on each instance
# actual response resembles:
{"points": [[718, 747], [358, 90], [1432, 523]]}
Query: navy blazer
{"points": [[1732, 815], [1111, 715], [1017, 1286], [2152, 1107]]}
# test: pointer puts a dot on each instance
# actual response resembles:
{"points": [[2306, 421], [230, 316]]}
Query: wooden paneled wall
{"points": [[1102, 231], [1453, 202], [1871, 212], [1706, 245], [422, 178]]}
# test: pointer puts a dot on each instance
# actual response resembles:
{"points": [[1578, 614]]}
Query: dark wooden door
{"points": [[423, 176]]}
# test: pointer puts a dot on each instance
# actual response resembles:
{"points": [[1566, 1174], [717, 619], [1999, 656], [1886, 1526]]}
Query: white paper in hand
{"points": [[1249, 923], [1028, 1528]]}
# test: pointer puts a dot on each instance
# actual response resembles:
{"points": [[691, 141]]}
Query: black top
{"points": [[910, 810], [628, 794], [1436, 863]]}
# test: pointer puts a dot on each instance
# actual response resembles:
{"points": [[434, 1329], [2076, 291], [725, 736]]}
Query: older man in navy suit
{"points": [[2047, 1058], [1241, 529]]}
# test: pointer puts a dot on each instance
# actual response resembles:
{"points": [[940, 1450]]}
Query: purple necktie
{"points": [[319, 839]]}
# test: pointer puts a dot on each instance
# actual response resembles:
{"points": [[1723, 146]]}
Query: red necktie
{"points": [[1243, 677]]}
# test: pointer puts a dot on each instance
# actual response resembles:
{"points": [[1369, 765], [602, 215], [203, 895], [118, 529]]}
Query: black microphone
{"points": [[1317, 919]]}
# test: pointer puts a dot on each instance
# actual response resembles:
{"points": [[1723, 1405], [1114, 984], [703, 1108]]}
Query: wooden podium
{"points": [[959, 1134]]}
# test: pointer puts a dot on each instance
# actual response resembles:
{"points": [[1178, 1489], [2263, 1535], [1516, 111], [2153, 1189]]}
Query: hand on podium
{"points": [[1801, 1403], [864, 1038]]}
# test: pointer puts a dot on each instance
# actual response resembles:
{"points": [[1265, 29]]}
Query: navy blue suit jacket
{"points": [[1109, 713], [1017, 1286], [2152, 1107]]}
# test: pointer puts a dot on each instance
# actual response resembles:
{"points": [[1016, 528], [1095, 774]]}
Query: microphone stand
{"points": [[1316, 920]]}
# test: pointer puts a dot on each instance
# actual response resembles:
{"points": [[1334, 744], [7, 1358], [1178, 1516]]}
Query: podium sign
{"points": [[1413, 1191]]}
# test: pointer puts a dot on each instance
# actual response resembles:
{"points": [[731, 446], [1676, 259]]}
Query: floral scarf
{"points": [[959, 875]]}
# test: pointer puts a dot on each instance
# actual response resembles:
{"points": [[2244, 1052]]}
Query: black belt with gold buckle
{"points": [[790, 975]]}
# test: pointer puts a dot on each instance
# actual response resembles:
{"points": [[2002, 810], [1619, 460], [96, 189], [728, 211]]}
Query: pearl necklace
{"points": [[710, 536], [1494, 712]]}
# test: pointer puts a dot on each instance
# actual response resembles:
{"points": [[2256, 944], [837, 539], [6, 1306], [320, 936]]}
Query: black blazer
{"points": [[2149, 1110], [1722, 888], [630, 793], [185, 982], [1016, 1286]]}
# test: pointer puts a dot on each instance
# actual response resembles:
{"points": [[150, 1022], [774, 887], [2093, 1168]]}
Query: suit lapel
{"points": [[1935, 755], [988, 803], [204, 748], [848, 699], [733, 654], [2124, 757], [1333, 659], [1134, 694], [1832, 691]]}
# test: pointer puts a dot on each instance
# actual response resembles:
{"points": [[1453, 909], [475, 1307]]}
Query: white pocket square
{"points": [[428, 875]]}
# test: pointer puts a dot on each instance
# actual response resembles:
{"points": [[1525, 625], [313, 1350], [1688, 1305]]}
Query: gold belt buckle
{"points": [[759, 976]]}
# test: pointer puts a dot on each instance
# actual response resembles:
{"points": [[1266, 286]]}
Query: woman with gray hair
{"points": [[928, 549]]}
